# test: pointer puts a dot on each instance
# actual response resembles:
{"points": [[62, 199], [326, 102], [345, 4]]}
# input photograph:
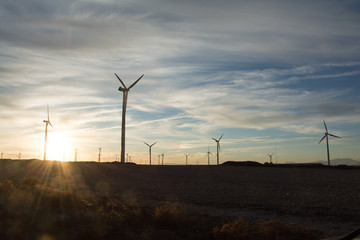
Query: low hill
{"points": [[342, 161]]}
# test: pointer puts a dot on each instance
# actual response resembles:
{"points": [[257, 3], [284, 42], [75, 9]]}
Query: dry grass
{"points": [[112, 201]]}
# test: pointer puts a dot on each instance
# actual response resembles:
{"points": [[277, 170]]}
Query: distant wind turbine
{"points": [[208, 154], [47, 122], [187, 155], [217, 147], [99, 155], [327, 141], [162, 159], [150, 146], [125, 91], [270, 156]]}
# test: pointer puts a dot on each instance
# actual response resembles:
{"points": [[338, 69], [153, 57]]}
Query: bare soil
{"points": [[327, 199]]}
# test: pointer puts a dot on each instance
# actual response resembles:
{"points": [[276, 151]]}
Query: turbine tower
{"points": [[150, 146], [217, 147], [327, 141], [208, 154], [47, 122], [125, 91], [162, 159], [99, 155], [187, 155], [76, 152], [270, 156]]}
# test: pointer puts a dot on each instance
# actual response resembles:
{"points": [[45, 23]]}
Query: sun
{"points": [[57, 146]]}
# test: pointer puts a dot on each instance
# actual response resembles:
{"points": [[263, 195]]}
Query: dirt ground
{"points": [[327, 199]]}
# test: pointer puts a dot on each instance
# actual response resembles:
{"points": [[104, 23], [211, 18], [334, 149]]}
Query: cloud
{"points": [[209, 68]]}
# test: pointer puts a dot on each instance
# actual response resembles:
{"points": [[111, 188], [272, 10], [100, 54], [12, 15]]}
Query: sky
{"points": [[266, 74]]}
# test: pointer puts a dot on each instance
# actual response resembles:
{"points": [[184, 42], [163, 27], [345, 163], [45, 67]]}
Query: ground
{"points": [[326, 199]]}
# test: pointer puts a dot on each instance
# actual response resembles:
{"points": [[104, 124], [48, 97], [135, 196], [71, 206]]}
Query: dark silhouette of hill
{"points": [[242, 163], [342, 161]]}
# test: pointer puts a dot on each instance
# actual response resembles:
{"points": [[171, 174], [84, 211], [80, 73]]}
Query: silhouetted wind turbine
{"points": [[270, 156], [150, 146], [47, 122], [218, 147], [125, 91], [99, 156], [162, 159], [208, 154], [327, 141], [187, 155]]}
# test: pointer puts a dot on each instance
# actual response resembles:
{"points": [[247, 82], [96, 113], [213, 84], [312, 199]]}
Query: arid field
{"points": [[323, 199]]}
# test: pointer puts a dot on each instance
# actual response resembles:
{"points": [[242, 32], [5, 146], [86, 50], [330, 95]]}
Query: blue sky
{"points": [[264, 73]]}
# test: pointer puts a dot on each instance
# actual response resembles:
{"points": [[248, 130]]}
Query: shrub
{"points": [[269, 230], [171, 216]]}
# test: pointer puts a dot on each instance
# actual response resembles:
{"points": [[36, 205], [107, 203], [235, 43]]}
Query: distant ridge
{"points": [[342, 161], [243, 163]]}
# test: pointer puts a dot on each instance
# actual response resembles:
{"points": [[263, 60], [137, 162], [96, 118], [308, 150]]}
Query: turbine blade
{"points": [[221, 137], [48, 112], [325, 126], [333, 135], [147, 144], [214, 139], [322, 139], [50, 124], [153, 144], [120, 80], [135, 82]]}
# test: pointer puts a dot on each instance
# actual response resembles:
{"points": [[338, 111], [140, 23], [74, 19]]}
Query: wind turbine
{"points": [[76, 152], [327, 141], [150, 146], [125, 91], [270, 156], [186, 155], [208, 154], [47, 122], [162, 159], [217, 147], [99, 155]]}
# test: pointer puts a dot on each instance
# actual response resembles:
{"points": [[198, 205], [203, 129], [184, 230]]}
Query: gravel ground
{"points": [[327, 199]]}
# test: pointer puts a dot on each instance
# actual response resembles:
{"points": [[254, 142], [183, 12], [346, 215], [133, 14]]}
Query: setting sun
{"points": [[57, 146]]}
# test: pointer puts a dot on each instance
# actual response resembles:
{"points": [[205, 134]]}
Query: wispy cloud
{"points": [[277, 67]]}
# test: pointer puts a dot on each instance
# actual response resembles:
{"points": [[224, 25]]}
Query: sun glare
{"points": [[57, 146]]}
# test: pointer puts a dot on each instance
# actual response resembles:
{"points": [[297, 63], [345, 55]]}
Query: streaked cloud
{"points": [[271, 68]]}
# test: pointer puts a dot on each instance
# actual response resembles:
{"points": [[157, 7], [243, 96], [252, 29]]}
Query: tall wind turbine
{"points": [[150, 146], [187, 155], [125, 91], [162, 158], [99, 155], [47, 122], [327, 141], [217, 147], [208, 154], [270, 156]]}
